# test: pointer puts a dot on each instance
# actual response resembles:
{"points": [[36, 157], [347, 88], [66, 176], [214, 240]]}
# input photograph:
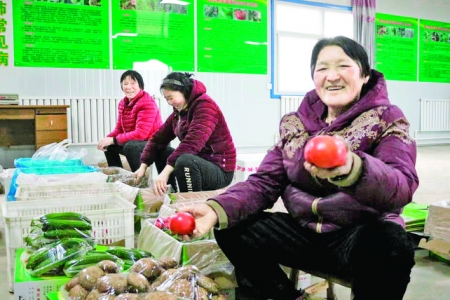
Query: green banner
{"points": [[61, 35], [150, 30], [396, 47], [434, 55], [232, 36]]}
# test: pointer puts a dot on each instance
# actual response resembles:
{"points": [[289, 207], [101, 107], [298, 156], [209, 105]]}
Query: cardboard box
{"points": [[27, 287], [175, 201], [204, 254], [438, 248], [246, 164], [437, 224]]}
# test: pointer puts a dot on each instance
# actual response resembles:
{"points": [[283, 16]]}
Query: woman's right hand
{"points": [[205, 219], [140, 173]]}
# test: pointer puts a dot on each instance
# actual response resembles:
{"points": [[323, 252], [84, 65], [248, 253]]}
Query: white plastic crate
{"points": [[112, 219], [30, 192]]}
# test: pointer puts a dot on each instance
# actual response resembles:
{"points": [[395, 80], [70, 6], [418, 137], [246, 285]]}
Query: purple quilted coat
{"points": [[201, 129], [375, 130]]}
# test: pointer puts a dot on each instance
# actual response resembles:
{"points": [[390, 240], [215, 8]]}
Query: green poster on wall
{"points": [[232, 36], [434, 55], [396, 47], [66, 34], [151, 30]]}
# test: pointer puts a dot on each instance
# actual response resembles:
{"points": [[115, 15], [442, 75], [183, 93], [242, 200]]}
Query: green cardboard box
{"points": [[27, 287], [55, 296]]}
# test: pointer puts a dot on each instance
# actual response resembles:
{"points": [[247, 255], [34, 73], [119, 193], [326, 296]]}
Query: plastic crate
{"points": [[28, 162], [112, 219], [30, 192], [46, 171]]}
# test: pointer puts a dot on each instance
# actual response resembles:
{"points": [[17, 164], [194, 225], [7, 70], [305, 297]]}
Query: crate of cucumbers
{"points": [[111, 220]]}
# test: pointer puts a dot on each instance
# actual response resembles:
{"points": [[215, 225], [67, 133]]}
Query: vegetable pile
{"points": [[147, 279]]}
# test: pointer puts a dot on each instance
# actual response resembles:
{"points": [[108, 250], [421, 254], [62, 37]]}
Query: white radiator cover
{"points": [[88, 119], [289, 104], [434, 115]]}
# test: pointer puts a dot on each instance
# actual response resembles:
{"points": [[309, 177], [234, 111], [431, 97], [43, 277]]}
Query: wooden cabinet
{"points": [[32, 125]]}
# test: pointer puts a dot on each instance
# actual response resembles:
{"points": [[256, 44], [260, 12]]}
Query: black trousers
{"points": [[377, 257], [192, 173], [132, 151]]}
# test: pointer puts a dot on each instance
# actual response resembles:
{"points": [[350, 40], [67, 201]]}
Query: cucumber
{"points": [[67, 233], [65, 216], [53, 224]]}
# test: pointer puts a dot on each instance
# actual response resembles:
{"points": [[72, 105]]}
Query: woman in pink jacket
{"points": [[139, 118]]}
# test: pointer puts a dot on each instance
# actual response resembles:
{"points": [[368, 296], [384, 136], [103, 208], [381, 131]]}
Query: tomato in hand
{"points": [[182, 223], [326, 151]]}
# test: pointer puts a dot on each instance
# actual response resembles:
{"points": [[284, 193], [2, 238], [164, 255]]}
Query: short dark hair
{"points": [[178, 81], [353, 49], [133, 75]]}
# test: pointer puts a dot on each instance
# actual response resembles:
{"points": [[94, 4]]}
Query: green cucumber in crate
{"points": [[56, 224], [65, 216], [54, 256], [128, 253], [67, 233]]}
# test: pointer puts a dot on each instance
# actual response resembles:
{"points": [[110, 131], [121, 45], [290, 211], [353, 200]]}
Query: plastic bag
{"points": [[58, 151]]}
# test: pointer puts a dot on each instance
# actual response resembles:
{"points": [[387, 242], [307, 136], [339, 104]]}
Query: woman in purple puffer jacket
{"points": [[343, 221], [205, 159]]}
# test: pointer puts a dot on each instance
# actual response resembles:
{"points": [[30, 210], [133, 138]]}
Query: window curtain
{"points": [[364, 26]]}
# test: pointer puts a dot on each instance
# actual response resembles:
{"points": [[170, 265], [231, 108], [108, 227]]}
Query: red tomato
{"points": [[326, 151], [182, 223]]}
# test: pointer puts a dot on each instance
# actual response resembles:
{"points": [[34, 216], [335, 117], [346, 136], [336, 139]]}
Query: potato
{"points": [[181, 288], [93, 295], [137, 283], [127, 296], [89, 276], [202, 294], [112, 284], [157, 296], [168, 262], [78, 293], [146, 266], [163, 277], [108, 266], [207, 283], [72, 282]]}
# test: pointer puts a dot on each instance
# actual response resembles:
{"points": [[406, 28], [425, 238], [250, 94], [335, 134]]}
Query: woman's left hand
{"points": [[333, 172], [105, 142]]}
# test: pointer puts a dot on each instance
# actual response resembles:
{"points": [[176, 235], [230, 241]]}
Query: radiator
{"points": [[290, 104], [434, 115], [88, 119]]}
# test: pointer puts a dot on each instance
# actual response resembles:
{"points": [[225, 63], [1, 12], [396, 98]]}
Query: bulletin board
{"points": [[411, 49], [187, 35], [396, 47]]}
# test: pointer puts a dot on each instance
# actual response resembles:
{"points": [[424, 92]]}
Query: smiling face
{"points": [[130, 87], [175, 99], [337, 78]]}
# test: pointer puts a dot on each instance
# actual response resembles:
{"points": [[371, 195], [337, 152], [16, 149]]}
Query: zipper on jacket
{"points": [[314, 210]]}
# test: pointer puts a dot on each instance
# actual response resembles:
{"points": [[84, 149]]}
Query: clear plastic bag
{"points": [[58, 151]]}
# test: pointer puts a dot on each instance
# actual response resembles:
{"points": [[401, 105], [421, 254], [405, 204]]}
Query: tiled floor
{"points": [[430, 279]]}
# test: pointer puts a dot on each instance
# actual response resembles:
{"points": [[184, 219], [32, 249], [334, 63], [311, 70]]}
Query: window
{"points": [[296, 27]]}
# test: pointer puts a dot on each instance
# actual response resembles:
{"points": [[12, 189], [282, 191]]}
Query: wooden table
{"points": [[36, 125]]}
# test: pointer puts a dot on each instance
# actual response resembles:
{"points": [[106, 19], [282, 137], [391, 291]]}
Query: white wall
{"points": [[245, 100]]}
